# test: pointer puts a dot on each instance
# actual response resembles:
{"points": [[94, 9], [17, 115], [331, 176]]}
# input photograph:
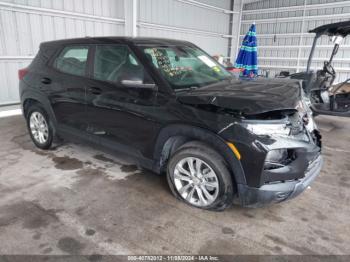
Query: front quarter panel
{"points": [[254, 148]]}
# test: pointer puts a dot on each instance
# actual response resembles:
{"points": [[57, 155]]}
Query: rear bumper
{"points": [[278, 192]]}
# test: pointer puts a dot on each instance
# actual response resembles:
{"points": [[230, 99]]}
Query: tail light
{"points": [[22, 72]]}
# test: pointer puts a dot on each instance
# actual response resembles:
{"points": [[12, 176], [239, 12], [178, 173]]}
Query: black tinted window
{"points": [[73, 60], [115, 63]]}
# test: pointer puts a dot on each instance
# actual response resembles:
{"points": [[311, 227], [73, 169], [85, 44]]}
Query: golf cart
{"points": [[326, 98]]}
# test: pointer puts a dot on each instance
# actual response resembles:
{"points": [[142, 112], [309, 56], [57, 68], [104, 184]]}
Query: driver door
{"points": [[119, 110]]}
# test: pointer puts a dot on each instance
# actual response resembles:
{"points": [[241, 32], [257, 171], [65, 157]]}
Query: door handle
{"points": [[95, 90], [46, 80]]}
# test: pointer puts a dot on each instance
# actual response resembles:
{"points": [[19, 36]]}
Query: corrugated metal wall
{"points": [[175, 19], [282, 27], [26, 23]]}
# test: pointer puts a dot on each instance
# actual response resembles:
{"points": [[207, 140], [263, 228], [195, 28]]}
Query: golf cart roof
{"points": [[341, 28]]}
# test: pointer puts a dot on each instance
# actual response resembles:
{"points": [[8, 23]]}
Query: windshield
{"points": [[185, 67]]}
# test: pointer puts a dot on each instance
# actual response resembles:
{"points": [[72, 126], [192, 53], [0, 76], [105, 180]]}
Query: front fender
{"points": [[201, 134]]}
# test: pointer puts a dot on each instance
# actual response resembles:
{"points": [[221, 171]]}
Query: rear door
{"points": [[67, 83]]}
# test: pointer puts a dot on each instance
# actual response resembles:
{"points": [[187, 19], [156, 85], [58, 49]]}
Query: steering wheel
{"points": [[328, 68]]}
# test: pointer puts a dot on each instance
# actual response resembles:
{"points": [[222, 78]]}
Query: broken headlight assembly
{"points": [[290, 123], [260, 128], [305, 112]]}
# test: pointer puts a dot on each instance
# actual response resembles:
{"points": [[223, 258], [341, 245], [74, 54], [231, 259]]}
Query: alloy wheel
{"points": [[39, 127], [196, 181]]}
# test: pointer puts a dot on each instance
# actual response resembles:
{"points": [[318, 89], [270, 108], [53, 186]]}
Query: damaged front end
{"points": [[281, 154], [270, 124]]}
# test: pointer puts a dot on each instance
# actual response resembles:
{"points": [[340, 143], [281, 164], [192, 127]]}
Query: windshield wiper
{"points": [[191, 88]]}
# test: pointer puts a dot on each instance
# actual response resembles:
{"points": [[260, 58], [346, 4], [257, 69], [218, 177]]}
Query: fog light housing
{"points": [[279, 158]]}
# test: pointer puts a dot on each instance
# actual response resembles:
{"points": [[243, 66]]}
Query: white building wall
{"points": [[24, 24], [283, 39], [205, 23]]}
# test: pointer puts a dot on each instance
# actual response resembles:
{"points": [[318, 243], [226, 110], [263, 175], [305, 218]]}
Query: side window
{"points": [[116, 63], [72, 60]]}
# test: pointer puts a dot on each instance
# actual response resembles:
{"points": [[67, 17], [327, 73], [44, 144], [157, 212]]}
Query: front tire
{"points": [[39, 127], [199, 176]]}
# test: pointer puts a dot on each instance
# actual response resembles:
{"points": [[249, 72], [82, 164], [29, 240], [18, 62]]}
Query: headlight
{"points": [[268, 129], [305, 113], [301, 107]]}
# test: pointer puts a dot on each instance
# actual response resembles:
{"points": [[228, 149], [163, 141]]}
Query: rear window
{"points": [[72, 60]]}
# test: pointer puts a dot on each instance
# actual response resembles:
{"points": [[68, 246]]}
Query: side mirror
{"points": [[137, 84]]}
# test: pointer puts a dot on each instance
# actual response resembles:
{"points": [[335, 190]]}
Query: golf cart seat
{"points": [[339, 102], [325, 109]]}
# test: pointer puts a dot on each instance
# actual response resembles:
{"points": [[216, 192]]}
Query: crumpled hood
{"points": [[248, 97]]}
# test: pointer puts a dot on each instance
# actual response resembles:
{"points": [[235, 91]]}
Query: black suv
{"points": [[172, 107]]}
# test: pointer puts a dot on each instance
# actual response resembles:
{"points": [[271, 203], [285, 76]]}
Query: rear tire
{"points": [[39, 126], [199, 176]]}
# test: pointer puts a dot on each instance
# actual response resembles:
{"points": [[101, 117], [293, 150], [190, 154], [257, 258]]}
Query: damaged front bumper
{"points": [[281, 191], [280, 157]]}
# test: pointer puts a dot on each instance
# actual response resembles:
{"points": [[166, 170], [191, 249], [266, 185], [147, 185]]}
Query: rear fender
{"points": [[35, 95]]}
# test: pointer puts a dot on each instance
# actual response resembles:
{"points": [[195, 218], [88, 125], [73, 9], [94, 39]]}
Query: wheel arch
{"points": [[173, 136], [30, 98], [27, 103]]}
